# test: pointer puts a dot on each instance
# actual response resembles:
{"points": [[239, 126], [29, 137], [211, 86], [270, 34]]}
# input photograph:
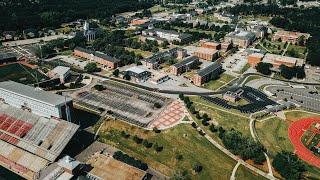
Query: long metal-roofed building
{"points": [[29, 142], [206, 74], [35, 100]]}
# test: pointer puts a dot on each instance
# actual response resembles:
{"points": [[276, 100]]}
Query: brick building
{"points": [[99, 57], [184, 66], [206, 53], [210, 45], [278, 60], [206, 74], [289, 36], [255, 58]]}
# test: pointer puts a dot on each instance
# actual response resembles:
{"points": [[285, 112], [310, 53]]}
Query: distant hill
{"points": [[22, 14]]}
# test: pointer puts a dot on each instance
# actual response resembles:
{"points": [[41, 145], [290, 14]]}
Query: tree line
{"points": [[21, 14]]}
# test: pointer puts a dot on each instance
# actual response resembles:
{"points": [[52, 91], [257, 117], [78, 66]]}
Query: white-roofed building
{"points": [[35, 100], [138, 74], [60, 71]]}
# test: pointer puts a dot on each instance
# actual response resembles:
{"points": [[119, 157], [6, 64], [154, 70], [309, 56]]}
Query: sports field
{"points": [[296, 131], [20, 73]]}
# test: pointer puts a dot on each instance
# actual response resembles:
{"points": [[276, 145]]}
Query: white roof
{"points": [[33, 93], [136, 69], [61, 70], [68, 162]]}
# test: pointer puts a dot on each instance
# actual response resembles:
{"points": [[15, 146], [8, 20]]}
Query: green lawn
{"points": [[139, 51], [300, 50], [20, 73], [296, 115], [215, 84], [222, 118], [182, 139], [273, 134], [243, 174], [245, 68], [272, 46], [251, 78]]}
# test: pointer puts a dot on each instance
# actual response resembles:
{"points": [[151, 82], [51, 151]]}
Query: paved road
{"points": [[231, 87]]}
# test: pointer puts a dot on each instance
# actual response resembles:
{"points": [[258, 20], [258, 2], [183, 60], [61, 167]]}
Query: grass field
{"points": [[216, 84], [251, 78], [296, 115], [181, 140], [20, 73], [273, 134], [300, 50], [139, 51], [223, 118]]}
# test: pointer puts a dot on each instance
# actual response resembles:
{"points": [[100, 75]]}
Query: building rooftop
{"points": [[136, 70], [105, 167], [4, 56], [272, 58], [30, 141], [206, 50], [61, 70], [186, 61], [292, 34], [98, 54], [212, 67], [33, 93], [245, 35]]}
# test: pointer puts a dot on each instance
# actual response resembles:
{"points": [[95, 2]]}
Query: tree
{"points": [[157, 105], [99, 87], [127, 77], [91, 67], [264, 68], [288, 165], [116, 73], [197, 168]]}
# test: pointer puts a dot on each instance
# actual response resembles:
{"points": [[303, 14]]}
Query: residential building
{"points": [[206, 74], [206, 53], [184, 66], [137, 74], [169, 35], [289, 36], [35, 100], [103, 59], [61, 72], [255, 58], [278, 60], [154, 61]]}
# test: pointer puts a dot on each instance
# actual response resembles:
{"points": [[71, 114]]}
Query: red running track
{"points": [[296, 131]]}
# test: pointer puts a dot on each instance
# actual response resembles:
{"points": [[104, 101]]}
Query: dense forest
{"points": [[292, 19], [22, 14]]}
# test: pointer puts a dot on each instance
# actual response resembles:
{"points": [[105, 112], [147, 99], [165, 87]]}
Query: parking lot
{"points": [[235, 62], [257, 101], [132, 105], [306, 98]]}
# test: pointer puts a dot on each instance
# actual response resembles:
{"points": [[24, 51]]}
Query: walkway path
{"points": [[256, 139], [233, 175]]}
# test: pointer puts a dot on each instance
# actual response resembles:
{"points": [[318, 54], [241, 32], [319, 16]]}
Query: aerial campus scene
{"points": [[160, 89]]}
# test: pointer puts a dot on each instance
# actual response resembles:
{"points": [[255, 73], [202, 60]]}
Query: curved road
{"points": [[237, 84]]}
